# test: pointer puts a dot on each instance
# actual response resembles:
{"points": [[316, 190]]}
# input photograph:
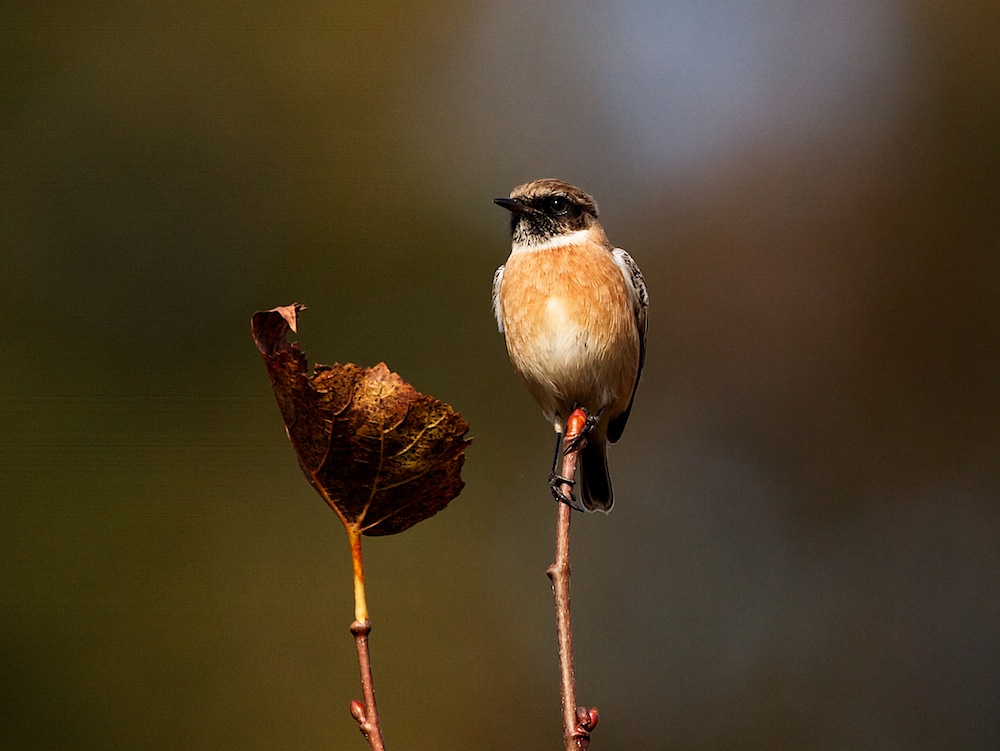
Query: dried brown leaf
{"points": [[380, 453]]}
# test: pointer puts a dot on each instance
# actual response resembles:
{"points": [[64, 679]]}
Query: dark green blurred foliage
{"points": [[806, 547]]}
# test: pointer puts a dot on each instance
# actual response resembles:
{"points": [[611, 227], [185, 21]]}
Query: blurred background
{"points": [[805, 552]]}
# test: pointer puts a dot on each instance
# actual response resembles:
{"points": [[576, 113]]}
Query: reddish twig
{"points": [[578, 722], [365, 713]]}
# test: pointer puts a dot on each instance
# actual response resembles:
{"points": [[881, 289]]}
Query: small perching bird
{"points": [[572, 309]]}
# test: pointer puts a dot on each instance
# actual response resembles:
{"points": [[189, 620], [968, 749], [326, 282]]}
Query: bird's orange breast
{"points": [[570, 327]]}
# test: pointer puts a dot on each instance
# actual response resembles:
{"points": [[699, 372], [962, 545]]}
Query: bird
{"points": [[572, 309]]}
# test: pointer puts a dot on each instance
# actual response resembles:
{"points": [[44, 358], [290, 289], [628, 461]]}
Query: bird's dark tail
{"points": [[594, 480]]}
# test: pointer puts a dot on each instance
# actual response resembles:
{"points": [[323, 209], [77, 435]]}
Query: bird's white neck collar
{"points": [[573, 238]]}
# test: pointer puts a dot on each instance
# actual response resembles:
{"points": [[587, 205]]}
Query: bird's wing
{"points": [[639, 298], [497, 279]]}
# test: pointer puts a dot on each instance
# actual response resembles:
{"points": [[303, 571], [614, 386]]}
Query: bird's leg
{"points": [[556, 481], [581, 438], [555, 456]]}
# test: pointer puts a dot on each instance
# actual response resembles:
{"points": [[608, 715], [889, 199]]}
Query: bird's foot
{"points": [[555, 485]]}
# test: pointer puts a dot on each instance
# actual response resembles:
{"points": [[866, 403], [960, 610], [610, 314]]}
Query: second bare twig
{"points": [[578, 722]]}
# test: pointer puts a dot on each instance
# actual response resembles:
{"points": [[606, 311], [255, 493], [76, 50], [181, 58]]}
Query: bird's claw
{"points": [[555, 485]]}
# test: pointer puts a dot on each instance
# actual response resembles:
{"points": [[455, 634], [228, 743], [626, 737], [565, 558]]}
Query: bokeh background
{"points": [[805, 553]]}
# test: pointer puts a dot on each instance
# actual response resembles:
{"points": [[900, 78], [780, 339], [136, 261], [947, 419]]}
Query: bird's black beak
{"points": [[511, 204]]}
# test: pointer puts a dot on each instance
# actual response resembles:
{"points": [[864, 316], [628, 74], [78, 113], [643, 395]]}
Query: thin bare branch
{"points": [[365, 713], [578, 722]]}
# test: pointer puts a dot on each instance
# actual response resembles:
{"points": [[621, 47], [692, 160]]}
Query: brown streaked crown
{"points": [[544, 209]]}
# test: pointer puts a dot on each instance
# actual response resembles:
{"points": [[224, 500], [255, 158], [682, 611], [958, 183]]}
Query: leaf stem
{"points": [[358, 567], [577, 721], [365, 713]]}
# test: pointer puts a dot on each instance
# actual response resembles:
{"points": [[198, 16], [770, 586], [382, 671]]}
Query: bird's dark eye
{"points": [[559, 205]]}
